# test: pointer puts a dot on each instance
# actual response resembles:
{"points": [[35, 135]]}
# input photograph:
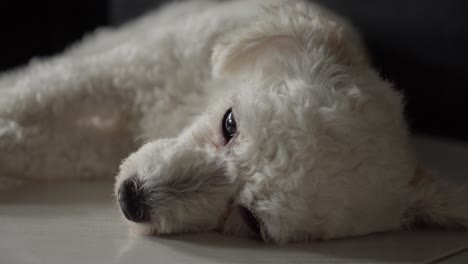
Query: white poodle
{"points": [[262, 118]]}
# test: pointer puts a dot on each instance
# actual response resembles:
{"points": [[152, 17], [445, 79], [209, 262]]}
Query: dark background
{"points": [[421, 45]]}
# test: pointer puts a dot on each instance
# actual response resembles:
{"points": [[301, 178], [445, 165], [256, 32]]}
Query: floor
{"points": [[79, 223]]}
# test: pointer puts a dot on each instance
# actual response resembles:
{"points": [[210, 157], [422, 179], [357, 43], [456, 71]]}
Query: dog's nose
{"points": [[131, 203]]}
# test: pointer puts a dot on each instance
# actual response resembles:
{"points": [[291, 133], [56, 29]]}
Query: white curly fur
{"points": [[321, 151]]}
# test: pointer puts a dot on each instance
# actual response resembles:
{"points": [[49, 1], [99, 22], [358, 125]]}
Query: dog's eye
{"points": [[229, 125]]}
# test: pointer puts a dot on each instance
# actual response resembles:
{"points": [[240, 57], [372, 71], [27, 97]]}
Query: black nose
{"points": [[131, 201]]}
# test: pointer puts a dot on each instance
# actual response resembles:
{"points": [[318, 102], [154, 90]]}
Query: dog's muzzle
{"points": [[131, 203]]}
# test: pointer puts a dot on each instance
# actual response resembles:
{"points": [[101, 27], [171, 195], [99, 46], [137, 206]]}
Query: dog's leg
{"points": [[68, 117], [77, 115], [437, 203]]}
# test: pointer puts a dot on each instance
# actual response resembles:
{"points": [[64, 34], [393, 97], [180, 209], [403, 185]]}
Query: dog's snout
{"points": [[131, 203]]}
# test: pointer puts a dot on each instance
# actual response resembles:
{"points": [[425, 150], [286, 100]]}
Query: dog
{"points": [[261, 119]]}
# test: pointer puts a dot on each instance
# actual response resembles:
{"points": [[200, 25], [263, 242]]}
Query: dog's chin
{"points": [[142, 229], [240, 221]]}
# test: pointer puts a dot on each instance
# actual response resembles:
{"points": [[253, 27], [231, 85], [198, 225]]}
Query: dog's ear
{"points": [[251, 50], [436, 203], [273, 46]]}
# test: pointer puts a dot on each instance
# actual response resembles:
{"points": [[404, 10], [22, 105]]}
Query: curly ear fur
{"points": [[272, 43], [436, 203]]}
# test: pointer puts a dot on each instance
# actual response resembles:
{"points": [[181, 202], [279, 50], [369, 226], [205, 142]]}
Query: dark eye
{"points": [[229, 125]]}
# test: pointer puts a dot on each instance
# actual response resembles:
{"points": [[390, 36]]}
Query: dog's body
{"points": [[296, 131]]}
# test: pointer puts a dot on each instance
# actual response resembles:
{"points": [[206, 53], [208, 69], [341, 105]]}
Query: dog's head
{"points": [[305, 136]]}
